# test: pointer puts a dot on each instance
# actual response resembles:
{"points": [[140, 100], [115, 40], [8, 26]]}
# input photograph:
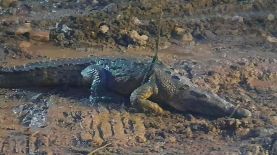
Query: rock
{"points": [[136, 21], [209, 34], [104, 28], [40, 36], [182, 35], [187, 37], [190, 117], [64, 28], [270, 17], [140, 39], [237, 19], [26, 28], [171, 139], [179, 31], [8, 3]]}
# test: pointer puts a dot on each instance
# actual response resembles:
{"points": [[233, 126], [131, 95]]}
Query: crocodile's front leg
{"points": [[140, 96], [98, 77]]}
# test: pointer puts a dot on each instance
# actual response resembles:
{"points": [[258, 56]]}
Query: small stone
{"points": [[104, 28], [171, 139], [26, 28], [187, 37], [270, 17], [182, 35], [141, 39], [190, 117], [179, 30], [95, 1], [65, 28], [40, 36], [144, 37], [210, 34], [136, 21], [238, 19]]}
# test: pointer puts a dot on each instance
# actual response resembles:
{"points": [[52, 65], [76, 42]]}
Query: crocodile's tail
{"points": [[50, 73]]}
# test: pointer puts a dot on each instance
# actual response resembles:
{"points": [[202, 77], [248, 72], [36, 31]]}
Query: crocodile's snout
{"points": [[206, 103]]}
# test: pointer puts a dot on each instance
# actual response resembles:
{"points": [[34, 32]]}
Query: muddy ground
{"points": [[227, 47]]}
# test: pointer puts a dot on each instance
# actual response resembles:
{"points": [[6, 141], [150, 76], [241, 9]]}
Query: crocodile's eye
{"points": [[198, 94]]}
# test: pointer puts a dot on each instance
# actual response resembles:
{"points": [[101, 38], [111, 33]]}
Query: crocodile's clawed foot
{"points": [[140, 98], [151, 107]]}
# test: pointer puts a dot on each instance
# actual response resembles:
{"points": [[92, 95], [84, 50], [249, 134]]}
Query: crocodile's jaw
{"points": [[206, 104]]}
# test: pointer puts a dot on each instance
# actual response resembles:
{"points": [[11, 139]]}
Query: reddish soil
{"points": [[229, 54]]}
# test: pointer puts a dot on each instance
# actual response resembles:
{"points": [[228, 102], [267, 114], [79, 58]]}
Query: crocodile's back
{"points": [[127, 75]]}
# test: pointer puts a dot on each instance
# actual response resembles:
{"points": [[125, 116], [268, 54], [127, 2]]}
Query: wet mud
{"points": [[227, 47]]}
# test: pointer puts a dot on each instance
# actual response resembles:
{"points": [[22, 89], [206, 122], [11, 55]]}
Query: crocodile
{"points": [[123, 77]]}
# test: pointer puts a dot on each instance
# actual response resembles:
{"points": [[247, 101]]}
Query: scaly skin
{"points": [[182, 95], [164, 87], [110, 76]]}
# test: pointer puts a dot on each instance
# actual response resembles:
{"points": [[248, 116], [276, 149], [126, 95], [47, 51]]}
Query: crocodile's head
{"points": [[194, 100]]}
